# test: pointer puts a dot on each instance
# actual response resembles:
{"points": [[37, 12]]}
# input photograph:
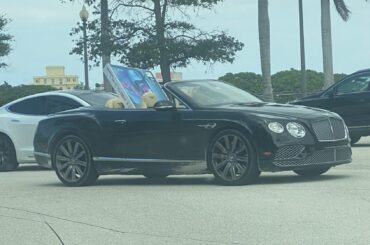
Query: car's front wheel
{"points": [[73, 163], [312, 172], [232, 158], [8, 159]]}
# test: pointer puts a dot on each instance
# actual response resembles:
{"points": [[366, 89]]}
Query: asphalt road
{"points": [[280, 208]]}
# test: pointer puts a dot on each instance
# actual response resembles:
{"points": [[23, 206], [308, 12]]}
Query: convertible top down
{"points": [[204, 127]]}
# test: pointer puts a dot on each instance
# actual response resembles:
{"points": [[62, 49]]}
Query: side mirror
{"points": [[164, 105], [331, 93]]}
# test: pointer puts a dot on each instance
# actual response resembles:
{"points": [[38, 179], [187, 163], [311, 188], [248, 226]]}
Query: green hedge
{"points": [[286, 84], [9, 93]]}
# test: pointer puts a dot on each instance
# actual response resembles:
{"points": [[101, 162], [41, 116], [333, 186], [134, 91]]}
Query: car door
{"points": [[22, 122], [141, 134], [351, 100]]}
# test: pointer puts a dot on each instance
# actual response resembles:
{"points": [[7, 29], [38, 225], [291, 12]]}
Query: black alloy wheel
{"points": [[232, 159], [8, 159], [73, 163], [312, 172]]}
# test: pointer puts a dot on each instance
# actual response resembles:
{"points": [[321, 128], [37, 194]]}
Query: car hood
{"points": [[280, 110]]}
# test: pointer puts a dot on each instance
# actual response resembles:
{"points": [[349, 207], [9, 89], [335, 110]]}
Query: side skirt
{"points": [[133, 166]]}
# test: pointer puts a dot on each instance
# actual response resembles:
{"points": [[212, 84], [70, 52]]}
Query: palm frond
{"points": [[342, 9]]}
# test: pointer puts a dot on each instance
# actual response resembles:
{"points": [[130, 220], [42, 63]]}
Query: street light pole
{"points": [[84, 15]]}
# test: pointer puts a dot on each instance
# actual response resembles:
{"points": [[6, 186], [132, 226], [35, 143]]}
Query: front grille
{"points": [[327, 156], [329, 129], [289, 152]]}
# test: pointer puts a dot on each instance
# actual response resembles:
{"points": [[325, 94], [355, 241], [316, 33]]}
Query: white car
{"points": [[19, 120]]}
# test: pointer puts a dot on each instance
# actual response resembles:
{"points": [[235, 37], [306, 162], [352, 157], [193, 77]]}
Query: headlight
{"points": [[296, 129], [276, 127]]}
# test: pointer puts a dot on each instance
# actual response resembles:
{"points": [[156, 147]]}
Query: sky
{"points": [[41, 38]]}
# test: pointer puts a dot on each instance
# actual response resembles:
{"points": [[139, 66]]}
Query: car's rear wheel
{"points": [[8, 159], [312, 172], [355, 139], [232, 159], [73, 163]]}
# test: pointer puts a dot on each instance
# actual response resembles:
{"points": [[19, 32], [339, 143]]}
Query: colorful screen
{"points": [[135, 82]]}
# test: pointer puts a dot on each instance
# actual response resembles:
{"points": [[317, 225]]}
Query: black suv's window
{"points": [[32, 106], [55, 104], [354, 84]]}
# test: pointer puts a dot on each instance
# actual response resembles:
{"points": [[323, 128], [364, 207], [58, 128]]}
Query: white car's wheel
{"points": [[8, 159]]}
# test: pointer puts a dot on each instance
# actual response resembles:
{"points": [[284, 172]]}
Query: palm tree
{"points": [[302, 46], [327, 48], [105, 23], [264, 40]]}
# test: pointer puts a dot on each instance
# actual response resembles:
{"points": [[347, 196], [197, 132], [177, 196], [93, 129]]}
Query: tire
{"points": [[73, 163], [312, 172], [232, 159], [8, 158], [155, 175], [355, 139]]}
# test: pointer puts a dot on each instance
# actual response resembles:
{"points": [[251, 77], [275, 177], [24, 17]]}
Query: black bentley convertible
{"points": [[204, 127]]}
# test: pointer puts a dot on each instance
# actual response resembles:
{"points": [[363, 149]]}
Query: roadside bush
{"points": [[9, 93], [286, 84]]}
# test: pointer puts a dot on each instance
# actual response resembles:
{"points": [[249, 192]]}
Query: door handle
{"points": [[207, 126], [120, 121], [15, 120]]}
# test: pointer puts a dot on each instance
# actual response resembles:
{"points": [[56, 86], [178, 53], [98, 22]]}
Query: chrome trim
{"points": [[40, 154], [367, 126], [138, 160], [332, 130], [120, 121], [208, 125]]}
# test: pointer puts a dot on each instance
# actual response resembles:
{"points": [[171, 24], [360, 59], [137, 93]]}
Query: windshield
{"points": [[213, 93]]}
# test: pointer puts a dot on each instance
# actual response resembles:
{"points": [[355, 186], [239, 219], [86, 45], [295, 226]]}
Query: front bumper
{"points": [[294, 157]]}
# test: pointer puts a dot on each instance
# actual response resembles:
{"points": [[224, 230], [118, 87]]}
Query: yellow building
{"points": [[55, 77]]}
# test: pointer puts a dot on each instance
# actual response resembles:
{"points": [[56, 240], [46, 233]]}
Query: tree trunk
{"points": [[303, 53], [327, 50], [264, 39], [163, 53], [104, 18]]}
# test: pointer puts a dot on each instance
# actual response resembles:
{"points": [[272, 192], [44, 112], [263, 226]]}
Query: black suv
{"points": [[350, 98]]}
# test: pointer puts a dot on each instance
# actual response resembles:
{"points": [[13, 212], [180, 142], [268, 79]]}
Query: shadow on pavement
{"points": [[200, 180], [30, 167], [291, 179]]}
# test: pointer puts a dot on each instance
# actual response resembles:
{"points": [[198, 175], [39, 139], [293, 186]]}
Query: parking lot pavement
{"points": [[280, 208]]}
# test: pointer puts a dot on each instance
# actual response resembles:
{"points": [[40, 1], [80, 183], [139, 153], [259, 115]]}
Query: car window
{"points": [[56, 103], [97, 99], [31, 106], [354, 85]]}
